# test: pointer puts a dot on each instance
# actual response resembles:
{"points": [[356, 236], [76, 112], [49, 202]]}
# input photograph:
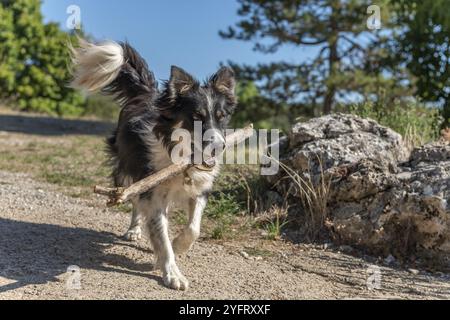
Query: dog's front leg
{"points": [[134, 232], [187, 237], [157, 223]]}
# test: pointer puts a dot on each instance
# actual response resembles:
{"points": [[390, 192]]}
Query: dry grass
{"points": [[412, 138], [75, 163], [314, 196]]}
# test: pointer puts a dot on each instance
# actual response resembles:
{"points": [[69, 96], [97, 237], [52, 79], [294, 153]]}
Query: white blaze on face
{"points": [[210, 143], [216, 136], [215, 146]]}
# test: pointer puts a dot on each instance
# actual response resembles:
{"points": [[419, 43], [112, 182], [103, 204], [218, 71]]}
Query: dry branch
{"points": [[121, 195]]}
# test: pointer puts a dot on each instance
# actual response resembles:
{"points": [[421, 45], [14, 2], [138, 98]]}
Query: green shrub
{"points": [[34, 59], [221, 211], [222, 205]]}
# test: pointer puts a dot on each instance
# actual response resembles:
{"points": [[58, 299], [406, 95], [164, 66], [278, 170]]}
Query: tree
{"points": [[263, 112], [422, 44], [38, 57], [338, 29], [8, 52]]}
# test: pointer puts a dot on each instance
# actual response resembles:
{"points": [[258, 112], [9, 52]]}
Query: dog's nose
{"points": [[217, 148], [219, 140]]}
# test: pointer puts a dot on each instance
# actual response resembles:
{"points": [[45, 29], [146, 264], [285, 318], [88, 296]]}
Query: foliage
{"points": [[422, 44], [222, 210], [314, 197], [8, 52], [263, 112], [274, 226], [34, 61], [222, 205], [238, 197], [338, 32], [414, 121], [408, 57]]}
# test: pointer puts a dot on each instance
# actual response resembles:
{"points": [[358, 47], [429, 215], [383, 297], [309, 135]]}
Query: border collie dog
{"points": [[141, 145]]}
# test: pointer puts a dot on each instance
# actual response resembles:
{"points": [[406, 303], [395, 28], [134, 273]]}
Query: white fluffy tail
{"points": [[96, 65]]}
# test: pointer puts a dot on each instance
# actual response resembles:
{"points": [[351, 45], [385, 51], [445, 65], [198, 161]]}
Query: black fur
{"points": [[134, 82]]}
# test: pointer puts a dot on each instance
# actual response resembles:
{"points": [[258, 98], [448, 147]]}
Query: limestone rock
{"points": [[381, 198]]}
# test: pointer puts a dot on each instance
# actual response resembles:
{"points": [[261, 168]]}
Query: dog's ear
{"points": [[180, 81], [224, 81]]}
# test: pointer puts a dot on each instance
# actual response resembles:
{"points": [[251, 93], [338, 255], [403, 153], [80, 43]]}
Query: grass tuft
{"points": [[314, 196], [275, 221]]}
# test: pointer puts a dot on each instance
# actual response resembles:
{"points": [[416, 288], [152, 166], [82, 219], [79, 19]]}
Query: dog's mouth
{"points": [[208, 164], [209, 157], [204, 168]]}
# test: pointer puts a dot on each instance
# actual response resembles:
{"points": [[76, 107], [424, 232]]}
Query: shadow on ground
{"points": [[49, 126], [33, 253]]}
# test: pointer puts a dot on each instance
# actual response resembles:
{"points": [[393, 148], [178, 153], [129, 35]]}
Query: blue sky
{"points": [[169, 32]]}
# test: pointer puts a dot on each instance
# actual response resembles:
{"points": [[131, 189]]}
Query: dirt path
{"points": [[43, 232]]}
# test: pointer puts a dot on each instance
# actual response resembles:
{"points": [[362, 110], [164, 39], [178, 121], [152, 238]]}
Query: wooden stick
{"points": [[121, 195]]}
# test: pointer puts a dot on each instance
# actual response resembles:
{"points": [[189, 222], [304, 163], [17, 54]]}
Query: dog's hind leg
{"points": [[187, 237], [157, 223], [134, 232]]}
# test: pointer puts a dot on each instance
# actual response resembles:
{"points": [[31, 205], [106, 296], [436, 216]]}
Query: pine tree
{"points": [[422, 45], [338, 28]]}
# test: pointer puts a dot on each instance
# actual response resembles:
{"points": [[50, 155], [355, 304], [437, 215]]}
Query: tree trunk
{"points": [[329, 99], [333, 60]]}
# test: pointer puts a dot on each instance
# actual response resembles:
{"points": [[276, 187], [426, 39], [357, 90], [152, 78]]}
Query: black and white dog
{"points": [[142, 144]]}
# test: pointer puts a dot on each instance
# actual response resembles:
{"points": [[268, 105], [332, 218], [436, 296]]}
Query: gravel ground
{"points": [[43, 233]]}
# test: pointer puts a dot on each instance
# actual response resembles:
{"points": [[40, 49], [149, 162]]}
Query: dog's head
{"points": [[201, 108]]}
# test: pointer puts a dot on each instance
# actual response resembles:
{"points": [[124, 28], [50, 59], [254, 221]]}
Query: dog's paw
{"points": [[173, 279], [134, 234]]}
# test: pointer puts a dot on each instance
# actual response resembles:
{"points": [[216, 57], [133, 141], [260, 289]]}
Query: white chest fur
{"points": [[177, 191]]}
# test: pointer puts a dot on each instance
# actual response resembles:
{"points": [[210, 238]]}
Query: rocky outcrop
{"points": [[381, 197]]}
